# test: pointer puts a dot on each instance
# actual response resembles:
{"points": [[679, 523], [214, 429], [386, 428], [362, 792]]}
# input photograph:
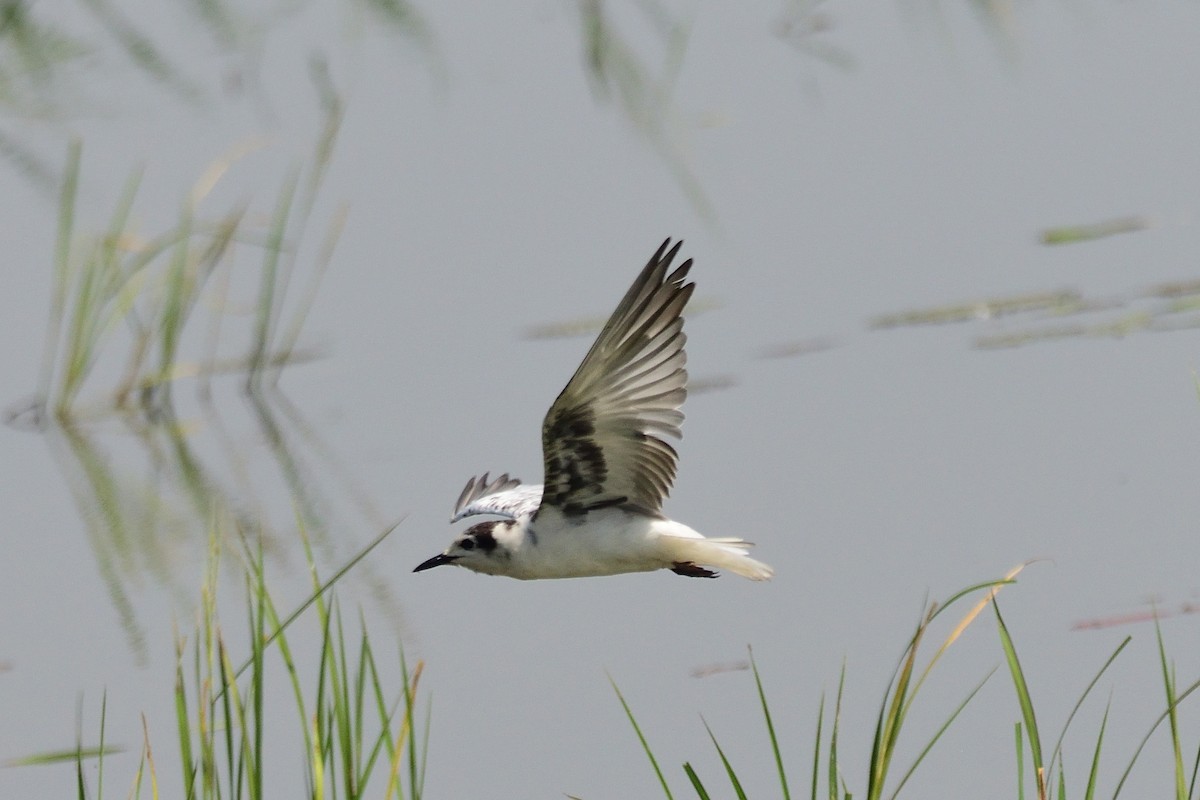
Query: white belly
{"points": [[606, 542]]}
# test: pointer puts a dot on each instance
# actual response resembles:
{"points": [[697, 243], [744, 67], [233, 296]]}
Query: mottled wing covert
{"points": [[603, 439]]}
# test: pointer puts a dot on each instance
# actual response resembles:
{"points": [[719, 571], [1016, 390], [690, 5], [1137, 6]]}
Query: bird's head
{"points": [[486, 547]]}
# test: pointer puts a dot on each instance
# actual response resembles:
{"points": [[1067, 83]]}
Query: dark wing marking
{"points": [[603, 439], [504, 497]]}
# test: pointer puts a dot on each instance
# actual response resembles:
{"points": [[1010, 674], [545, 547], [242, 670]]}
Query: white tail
{"points": [[724, 553]]}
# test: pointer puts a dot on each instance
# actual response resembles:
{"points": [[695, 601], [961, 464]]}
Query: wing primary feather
{"points": [[602, 438], [480, 487]]}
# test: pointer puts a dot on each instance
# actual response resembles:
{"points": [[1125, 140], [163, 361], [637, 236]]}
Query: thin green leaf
{"points": [[1168, 676], [816, 772], [642, 738], [938, 735], [892, 711], [1056, 756], [183, 723], [1022, 689], [62, 266], [696, 784], [59, 756], [316, 596], [733, 778], [1090, 793], [766, 709], [835, 768], [267, 308], [1020, 743]]}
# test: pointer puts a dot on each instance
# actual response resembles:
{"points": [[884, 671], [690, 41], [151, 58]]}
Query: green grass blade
{"points": [[286, 348], [326, 683], [1056, 756], [100, 756], [183, 721], [1020, 744], [230, 703], [405, 736], [80, 782], [72, 755], [1090, 792], [289, 663], [1022, 689], [258, 677], [733, 778], [85, 327], [267, 295], [1195, 770], [938, 735], [416, 771], [360, 687], [319, 592], [816, 770], [766, 709], [835, 769], [62, 267], [893, 709], [344, 708], [1168, 677], [642, 738], [696, 784], [175, 301], [382, 743]]}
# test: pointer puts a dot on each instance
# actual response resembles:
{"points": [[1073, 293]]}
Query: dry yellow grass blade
{"points": [[217, 169], [982, 604]]}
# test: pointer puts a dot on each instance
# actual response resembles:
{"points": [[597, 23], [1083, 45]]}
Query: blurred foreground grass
{"points": [[358, 733]]}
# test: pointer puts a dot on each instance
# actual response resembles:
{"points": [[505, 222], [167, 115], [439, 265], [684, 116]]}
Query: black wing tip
{"points": [[665, 256], [653, 278]]}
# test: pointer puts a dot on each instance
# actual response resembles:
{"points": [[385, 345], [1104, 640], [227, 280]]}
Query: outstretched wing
{"points": [[505, 497], [603, 439]]}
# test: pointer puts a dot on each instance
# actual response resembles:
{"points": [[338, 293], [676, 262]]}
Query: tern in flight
{"points": [[608, 465]]}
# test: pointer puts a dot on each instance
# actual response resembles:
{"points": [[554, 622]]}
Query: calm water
{"points": [[490, 188]]}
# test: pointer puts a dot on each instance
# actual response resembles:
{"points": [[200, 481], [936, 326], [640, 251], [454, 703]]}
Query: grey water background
{"points": [[491, 188]]}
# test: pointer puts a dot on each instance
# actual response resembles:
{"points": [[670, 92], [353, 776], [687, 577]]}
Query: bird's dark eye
{"points": [[467, 544]]}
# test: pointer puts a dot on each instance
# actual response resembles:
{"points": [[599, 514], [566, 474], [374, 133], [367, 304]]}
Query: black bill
{"points": [[436, 561]]}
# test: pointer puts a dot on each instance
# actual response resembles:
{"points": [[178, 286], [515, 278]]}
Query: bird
{"points": [[607, 464]]}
